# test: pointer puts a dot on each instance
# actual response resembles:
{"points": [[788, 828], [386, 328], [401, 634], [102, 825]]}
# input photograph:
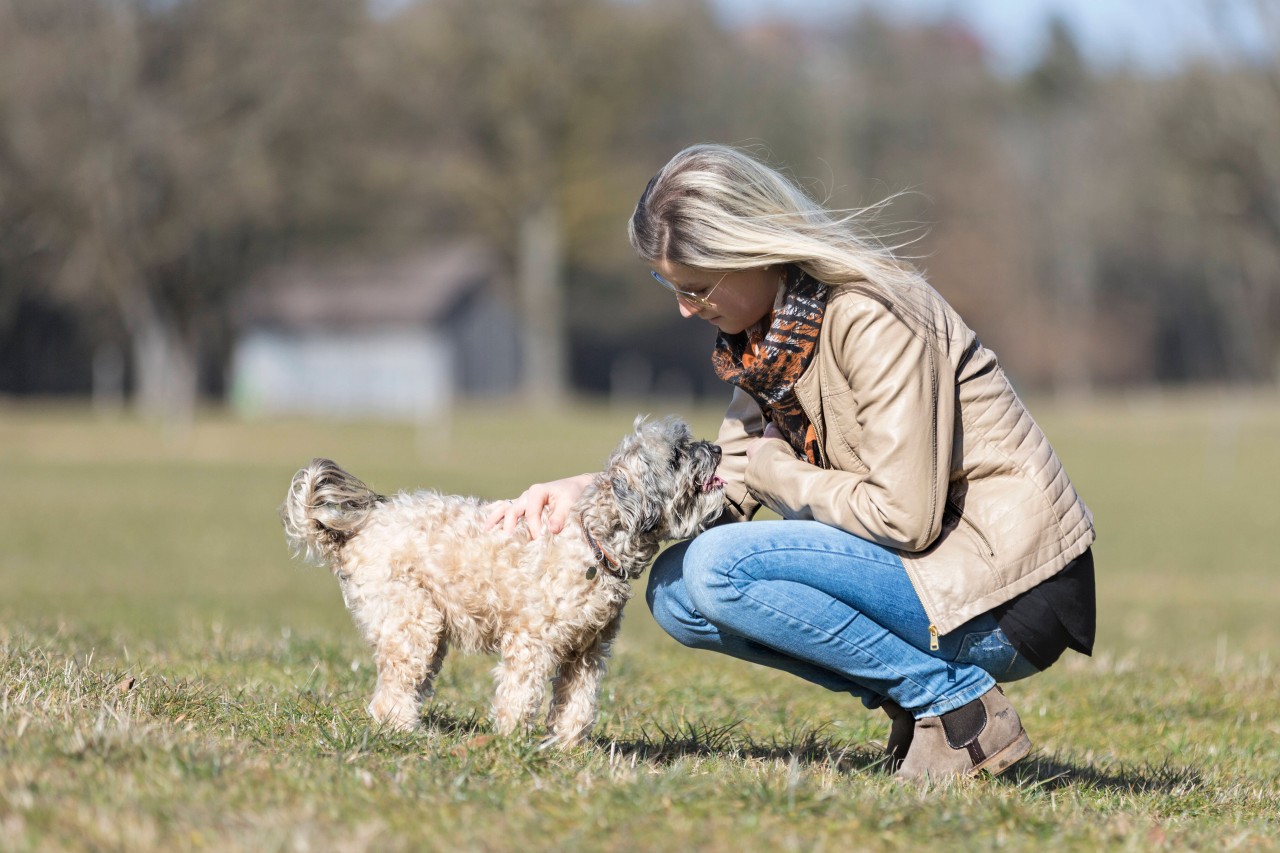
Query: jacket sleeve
{"points": [[903, 402], [743, 424]]}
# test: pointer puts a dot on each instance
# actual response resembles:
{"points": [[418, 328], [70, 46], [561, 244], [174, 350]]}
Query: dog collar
{"points": [[604, 559]]}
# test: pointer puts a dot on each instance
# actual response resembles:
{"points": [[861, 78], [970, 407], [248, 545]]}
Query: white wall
{"points": [[398, 375]]}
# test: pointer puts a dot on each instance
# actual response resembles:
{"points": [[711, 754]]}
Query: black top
{"points": [[1057, 614]]}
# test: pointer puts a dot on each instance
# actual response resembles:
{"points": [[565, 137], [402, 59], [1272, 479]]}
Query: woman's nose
{"points": [[687, 310]]}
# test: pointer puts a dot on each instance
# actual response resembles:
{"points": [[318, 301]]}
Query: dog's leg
{"points": [[577, 687], [408, 657], [427, 688], [521, 678]]}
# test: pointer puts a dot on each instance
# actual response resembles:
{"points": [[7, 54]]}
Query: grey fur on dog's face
{"points": [[664, 481]]}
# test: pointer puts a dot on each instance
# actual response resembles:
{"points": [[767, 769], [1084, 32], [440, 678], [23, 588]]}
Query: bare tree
{"points": [[154, 140], [522, 105], [1096, 225]]}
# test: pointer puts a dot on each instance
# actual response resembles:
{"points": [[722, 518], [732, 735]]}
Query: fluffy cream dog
{"points": [[420, 572]]}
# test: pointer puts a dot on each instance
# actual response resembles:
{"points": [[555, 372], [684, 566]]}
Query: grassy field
{"points": [[170, 679]]}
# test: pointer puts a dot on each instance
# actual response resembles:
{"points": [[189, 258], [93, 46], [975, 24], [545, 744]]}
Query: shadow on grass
{"points": [[814, 748], [1052, 773], [692, 741], [725, 742], [437, 718]]}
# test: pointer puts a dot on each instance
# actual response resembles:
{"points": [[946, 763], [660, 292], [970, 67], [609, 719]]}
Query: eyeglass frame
{"points": [[701, 300]]}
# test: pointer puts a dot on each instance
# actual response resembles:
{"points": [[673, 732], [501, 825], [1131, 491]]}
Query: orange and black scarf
{"points": [[768, 359]]}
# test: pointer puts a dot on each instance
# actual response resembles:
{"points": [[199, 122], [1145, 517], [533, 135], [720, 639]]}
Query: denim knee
{"points": [[705, 567], [663, 595]]}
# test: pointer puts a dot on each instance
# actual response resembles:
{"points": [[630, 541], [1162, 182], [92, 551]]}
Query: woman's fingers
{"points": [[558, 497], [558, 516], [497, 514], [534, 499], [507, 514]]}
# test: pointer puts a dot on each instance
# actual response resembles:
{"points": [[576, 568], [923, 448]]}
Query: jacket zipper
{"points": [[933, 376], [960, 518], [933, 629], [822, 441]]}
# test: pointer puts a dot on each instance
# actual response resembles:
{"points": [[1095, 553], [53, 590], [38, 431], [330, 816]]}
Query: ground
{"points": [[169, 678]]}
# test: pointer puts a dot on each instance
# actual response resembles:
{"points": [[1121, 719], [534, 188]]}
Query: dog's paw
{"points": [[396, 712], [564, 741]]}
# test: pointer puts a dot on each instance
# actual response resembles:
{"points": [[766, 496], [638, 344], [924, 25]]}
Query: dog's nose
{"points": [[715, 450]]}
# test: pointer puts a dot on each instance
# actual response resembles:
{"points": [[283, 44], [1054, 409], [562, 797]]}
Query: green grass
{"points": [[169, 679]]}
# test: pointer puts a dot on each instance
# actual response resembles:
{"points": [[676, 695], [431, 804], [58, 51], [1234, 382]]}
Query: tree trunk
{"points": [[539, 280], [1074, 312], [1068, 247], [164, 366]]}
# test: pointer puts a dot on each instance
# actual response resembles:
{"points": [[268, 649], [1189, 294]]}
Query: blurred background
{"points": [[237, 234], [382, 207]]}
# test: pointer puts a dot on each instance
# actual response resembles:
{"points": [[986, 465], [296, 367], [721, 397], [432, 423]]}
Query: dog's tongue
{"points": [[714, 483]]}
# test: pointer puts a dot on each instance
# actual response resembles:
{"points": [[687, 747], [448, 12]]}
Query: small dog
{"points": [[420, 572]]}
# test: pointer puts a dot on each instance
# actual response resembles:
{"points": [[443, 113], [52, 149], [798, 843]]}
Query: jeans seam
{"points": [[1008, 669], [961, 699]]}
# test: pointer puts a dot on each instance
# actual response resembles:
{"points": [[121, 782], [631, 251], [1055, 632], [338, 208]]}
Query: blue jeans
{"points": [[834, 609]]}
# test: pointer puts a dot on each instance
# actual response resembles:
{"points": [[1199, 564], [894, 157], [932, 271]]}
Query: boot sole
{"points": [[1007, 757]]}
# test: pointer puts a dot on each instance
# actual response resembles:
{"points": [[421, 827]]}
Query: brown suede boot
{"points": [[985, 734], [901, 730]]}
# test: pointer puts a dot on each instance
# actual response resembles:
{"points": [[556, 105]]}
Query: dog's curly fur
{"points": [[419, 572]]}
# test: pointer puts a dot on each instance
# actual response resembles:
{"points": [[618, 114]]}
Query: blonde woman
{"points": [[930, 545]]}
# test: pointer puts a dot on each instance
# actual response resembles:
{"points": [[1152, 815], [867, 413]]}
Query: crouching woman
{"points": [[931, 544]]}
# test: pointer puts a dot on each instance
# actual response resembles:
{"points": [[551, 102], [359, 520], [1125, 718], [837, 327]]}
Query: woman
{"points": [[931, 544]]}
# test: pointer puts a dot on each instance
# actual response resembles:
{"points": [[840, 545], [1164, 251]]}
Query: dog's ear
{"points": [[637, 512]]}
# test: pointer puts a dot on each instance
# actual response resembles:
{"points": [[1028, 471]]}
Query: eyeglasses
{"points": [[701, 301]]}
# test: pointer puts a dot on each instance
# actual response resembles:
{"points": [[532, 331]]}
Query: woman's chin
{"points": [[727, 326]]}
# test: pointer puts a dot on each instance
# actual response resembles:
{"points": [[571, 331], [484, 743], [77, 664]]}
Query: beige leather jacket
{"points": [[928, 451]]}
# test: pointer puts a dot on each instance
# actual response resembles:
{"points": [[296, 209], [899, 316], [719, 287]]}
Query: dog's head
{"points": [[663, 482]]}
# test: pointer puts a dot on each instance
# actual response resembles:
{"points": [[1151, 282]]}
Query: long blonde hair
{"points": [[717, 208]]}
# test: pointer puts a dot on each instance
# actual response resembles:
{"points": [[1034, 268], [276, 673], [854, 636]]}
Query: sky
{"points": [[1152, 35]]}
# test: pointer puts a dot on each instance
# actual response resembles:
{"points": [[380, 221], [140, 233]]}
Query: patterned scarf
{"points": [[767, 359]]}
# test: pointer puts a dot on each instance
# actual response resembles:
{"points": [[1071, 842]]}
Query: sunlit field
{"points": [[172, 680]]}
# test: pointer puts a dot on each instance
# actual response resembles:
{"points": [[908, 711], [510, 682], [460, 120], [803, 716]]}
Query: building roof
{"points": [[414, 289]]}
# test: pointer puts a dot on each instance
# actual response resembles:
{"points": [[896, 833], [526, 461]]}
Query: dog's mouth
{"points": [[712, 483]]}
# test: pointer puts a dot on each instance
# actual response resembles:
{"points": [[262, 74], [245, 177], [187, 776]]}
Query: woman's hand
{"points": [[770, 431], [559, 496]]}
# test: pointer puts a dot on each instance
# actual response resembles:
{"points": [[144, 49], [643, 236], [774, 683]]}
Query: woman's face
{"points": [[737, 300]]}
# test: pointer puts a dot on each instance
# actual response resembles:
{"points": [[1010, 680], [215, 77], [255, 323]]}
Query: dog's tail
{"points": [[324, 508]]}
